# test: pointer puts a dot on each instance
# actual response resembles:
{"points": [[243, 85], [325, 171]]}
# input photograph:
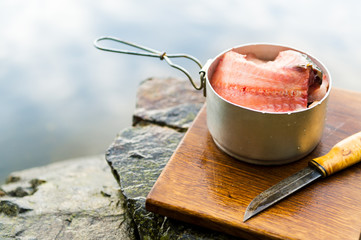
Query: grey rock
{"points": [[11, 209], [20, 188], [12, 179], [20, 192], [155, 226], [75, 199], [138, 155], [167, 102]]}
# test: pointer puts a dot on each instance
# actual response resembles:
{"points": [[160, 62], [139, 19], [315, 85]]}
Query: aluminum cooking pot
{"points": [[253, 136]]}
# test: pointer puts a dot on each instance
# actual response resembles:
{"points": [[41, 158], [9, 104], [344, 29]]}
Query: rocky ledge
{"points": [[79, 199], [73, 199], [165, 109]]}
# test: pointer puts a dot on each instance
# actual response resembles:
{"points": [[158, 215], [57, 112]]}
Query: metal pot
{"points": [[260, 137], [246, 134]]}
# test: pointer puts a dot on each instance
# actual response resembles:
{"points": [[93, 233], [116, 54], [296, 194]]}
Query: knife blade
{"points": [[344, 154]]}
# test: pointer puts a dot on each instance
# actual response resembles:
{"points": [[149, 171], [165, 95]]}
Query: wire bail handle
{"points": [[154, 53]]}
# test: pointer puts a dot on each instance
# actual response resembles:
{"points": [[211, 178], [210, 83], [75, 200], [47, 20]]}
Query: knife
{"points": [[342, 155]]}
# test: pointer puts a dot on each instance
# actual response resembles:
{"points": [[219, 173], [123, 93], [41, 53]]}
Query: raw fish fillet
{"points": [[281, 85]]}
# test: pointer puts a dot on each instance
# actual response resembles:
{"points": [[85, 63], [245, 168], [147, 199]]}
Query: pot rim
{"points": [[318, 63]]}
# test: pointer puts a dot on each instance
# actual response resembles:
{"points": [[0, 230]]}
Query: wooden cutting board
{"points": [[202, 185]]}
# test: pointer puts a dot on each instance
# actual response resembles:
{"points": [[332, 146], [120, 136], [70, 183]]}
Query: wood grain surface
{"points": [[202, 185]]}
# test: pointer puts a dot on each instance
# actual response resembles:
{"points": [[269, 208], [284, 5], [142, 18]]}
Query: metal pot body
{"points": [[260, 137]]}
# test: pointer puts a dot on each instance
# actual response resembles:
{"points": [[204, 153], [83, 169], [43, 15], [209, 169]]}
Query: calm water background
{"points": [[61, 98]]}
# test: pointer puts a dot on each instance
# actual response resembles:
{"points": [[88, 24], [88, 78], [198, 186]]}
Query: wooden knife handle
{"points": [[342, 155]]}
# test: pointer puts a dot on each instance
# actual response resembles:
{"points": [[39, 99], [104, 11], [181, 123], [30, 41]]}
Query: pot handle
{"points": [[154, 53]]}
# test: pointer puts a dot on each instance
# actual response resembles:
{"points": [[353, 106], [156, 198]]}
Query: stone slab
{"points": [[137, 157], [165, 110], [74, 199], [168, 102]]}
